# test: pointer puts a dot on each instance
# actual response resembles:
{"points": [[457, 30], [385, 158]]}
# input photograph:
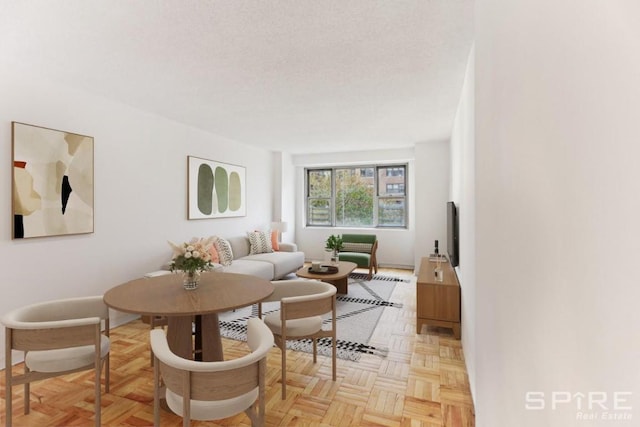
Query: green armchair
{"points": [[361, 249]]}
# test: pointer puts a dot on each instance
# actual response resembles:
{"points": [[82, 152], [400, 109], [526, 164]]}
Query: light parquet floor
{"points": [[421, 383]]}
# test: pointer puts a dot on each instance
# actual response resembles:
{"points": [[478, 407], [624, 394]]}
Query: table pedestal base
{"points": [[340, 284], [207, 348]]}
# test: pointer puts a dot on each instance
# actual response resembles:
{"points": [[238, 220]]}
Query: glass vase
{"points": [[190, 280]]}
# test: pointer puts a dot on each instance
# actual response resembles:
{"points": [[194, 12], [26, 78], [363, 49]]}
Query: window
{"points": [[361, 196], [319, 197], [394, 171], [366, 172], [395, 188]]}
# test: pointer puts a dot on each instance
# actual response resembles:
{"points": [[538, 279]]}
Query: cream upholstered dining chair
{"points": [[57, 337], [302, 304], [212, 390]]}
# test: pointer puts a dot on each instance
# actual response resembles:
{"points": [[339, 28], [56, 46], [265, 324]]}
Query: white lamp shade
{"points": [[279, 226]]}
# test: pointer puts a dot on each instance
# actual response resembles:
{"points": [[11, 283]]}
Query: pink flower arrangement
{"points": [[192, 256]]}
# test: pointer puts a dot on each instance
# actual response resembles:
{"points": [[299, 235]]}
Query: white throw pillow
{"points": [[225, 254], [260, 242]]}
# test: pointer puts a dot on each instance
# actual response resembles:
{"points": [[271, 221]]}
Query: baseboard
{"points": [[118, 318], [398, 266]]}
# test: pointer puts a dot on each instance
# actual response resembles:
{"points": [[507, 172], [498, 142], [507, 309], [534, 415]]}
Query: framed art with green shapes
{"points": [[215, 189]]}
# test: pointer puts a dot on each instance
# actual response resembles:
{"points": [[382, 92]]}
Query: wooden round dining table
{"points": [[165, 296]]}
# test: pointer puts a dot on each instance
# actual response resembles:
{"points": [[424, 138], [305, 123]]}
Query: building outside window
{"points": [[360, 196], [394, 171], [395, 188]]}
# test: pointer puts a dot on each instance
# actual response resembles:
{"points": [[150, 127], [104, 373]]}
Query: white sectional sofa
{"points": [[270, 266]]}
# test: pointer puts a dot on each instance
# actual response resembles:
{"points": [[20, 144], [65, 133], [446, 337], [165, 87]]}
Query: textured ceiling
{"points": [[300, 76]]}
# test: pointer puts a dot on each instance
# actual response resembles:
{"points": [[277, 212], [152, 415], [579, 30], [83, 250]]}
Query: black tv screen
{"points": [[453, 243]]}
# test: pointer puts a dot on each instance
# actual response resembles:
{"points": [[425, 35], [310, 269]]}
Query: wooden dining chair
{"points": [[57, 337], [212, 390], [302, 304]]}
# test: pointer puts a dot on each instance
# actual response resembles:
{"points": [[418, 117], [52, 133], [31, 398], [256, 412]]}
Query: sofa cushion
{"points": [[264, 270], [213, 252], [362, 260], [359, 238], [274, 241], [240, 246], [225, 253], [260, 242], [287, 247], [283, 262]]}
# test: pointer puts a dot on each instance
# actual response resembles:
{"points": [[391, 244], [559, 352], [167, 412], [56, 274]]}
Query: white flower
{"points": [[187, 254], [190, 248], [196, 254]]}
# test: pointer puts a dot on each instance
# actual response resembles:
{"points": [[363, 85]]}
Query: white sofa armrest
{"points": [[288, 247]]}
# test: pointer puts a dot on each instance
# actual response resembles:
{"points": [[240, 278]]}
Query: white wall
{"points": [[284, 193], [277, 162], [288, 191], [395, 247], [463, 194], [557, 102], [140, 193], [432, 193]]}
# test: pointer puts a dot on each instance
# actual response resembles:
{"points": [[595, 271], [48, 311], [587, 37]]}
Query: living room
{"points": [[541, 161]]}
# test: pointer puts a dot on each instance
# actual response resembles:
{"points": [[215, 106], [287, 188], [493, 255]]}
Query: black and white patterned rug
{"points": [[357, 316]]}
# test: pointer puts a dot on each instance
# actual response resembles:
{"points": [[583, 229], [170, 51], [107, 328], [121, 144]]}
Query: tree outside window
{"points": [[319, 197], [354, 197]]}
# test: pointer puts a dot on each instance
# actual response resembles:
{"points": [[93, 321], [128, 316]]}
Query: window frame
{"points": [[330, 199], [377, 197]]}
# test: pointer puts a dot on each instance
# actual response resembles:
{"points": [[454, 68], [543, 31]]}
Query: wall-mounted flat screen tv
{"points": [[453, 244]]}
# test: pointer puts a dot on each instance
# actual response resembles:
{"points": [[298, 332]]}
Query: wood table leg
{"points": [[208, 341], [179, 335], [340, 284], [211, 340], [197, 339]]}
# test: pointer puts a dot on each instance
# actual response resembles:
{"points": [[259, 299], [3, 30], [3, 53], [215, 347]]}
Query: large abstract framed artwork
{"points": [[216, 190], [52, 182]]}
